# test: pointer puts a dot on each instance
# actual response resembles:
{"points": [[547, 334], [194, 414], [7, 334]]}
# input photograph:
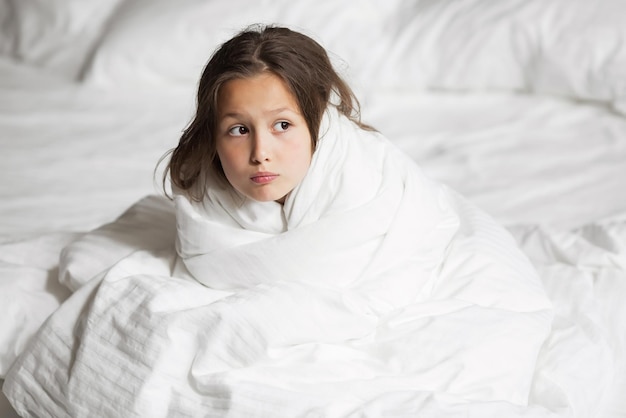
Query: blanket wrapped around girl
{"points": [[314, 271]]}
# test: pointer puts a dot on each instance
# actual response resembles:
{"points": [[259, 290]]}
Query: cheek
{"points": [[303, 152], [231, 168], [228, 157]]}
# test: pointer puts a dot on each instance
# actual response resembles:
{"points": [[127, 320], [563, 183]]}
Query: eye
{"points": [[238, 130], [282, 126]]}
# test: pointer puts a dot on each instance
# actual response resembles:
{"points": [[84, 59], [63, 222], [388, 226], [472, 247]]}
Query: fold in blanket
{"points": [[363, 217], [374, 290]]}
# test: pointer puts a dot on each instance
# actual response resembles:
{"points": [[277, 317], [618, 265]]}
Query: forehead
{"points": [[264, 91]]}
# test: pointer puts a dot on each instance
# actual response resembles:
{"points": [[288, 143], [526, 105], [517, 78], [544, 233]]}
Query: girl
{"points": [[277, 144]]}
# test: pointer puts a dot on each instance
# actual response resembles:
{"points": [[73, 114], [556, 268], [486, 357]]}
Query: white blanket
{"points": [[363, 211], [373, 291]]}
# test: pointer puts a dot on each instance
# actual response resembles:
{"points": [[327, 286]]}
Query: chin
{"points": [[273, 198]]}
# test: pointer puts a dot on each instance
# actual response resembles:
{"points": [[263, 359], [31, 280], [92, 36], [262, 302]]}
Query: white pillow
{"points": [[454, 45], [581, 50], [54, 34], [572, 48], [152, 42]]}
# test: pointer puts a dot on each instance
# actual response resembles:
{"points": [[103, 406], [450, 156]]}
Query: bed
{"points": [[518, 105]]}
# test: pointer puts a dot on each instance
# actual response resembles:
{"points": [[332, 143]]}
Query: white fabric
{"points": [[584, 273], [147, 225], [355, 180], [341, 310], [29, 290], [585, 276], [188, 31], [575, 49], [569, 48], [58, 35]]}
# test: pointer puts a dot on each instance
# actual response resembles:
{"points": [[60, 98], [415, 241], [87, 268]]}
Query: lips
{"points": [[263, 177]]}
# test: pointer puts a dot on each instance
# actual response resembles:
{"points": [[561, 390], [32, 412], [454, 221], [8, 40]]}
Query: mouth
{"points": [[263, 177]]}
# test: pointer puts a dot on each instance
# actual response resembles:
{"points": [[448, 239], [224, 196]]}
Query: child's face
{"points": [[263, 141]]}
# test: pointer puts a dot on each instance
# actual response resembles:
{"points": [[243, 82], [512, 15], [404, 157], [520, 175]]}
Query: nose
{"points": [[260, 151]]}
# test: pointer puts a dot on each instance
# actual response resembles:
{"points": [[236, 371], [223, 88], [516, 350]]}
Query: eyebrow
{"points": [[236, 115]]}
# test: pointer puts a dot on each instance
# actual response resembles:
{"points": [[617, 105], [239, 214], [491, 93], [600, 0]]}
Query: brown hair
{"points": [[294, 57]]}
